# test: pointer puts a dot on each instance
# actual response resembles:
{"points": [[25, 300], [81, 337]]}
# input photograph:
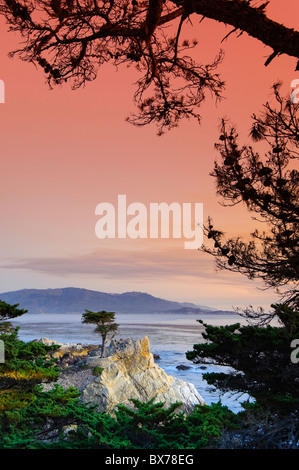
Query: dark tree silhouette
{"points": [[71, 39], [268, 186], [9, 312]]}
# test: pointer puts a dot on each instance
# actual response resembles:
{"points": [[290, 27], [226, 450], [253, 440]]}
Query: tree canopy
{"points": [[105, 325], [8, 312], [72, 39], [268, 186]]}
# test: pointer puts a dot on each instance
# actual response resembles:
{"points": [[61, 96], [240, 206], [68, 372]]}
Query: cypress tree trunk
{"points": [[103, 345]]}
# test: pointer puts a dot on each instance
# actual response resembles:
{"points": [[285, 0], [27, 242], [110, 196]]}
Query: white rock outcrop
{"points": [[69, 353], [127, 371]]}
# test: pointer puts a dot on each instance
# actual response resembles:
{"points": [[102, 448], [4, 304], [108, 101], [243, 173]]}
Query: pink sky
{"points": [[64, 151]]}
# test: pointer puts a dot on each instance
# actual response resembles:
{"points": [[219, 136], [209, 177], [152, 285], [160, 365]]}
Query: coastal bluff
{"points": [[127, 371]]}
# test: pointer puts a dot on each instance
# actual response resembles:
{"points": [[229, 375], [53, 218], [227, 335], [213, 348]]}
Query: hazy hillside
{"points": [[75, 300]]}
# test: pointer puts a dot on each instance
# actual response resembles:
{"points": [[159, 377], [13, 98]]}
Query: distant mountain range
{"points": [[76, 300]]}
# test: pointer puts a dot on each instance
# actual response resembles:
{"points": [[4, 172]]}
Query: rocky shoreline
{"points": [[128, 371]]}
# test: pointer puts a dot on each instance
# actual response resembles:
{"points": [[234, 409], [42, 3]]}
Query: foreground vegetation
{"points": [[31, 418]]}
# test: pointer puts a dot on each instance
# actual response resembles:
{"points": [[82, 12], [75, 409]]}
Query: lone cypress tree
{"points": [[105, 325]]}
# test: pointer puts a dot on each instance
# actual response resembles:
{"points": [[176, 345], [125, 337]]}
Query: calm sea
{"points": [[170, 336]]}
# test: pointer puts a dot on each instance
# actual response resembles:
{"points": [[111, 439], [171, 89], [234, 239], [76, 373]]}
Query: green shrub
{"points": [[97, 371]]}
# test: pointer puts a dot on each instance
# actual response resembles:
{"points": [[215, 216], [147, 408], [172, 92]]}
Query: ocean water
{"points": [[170, 336]]}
